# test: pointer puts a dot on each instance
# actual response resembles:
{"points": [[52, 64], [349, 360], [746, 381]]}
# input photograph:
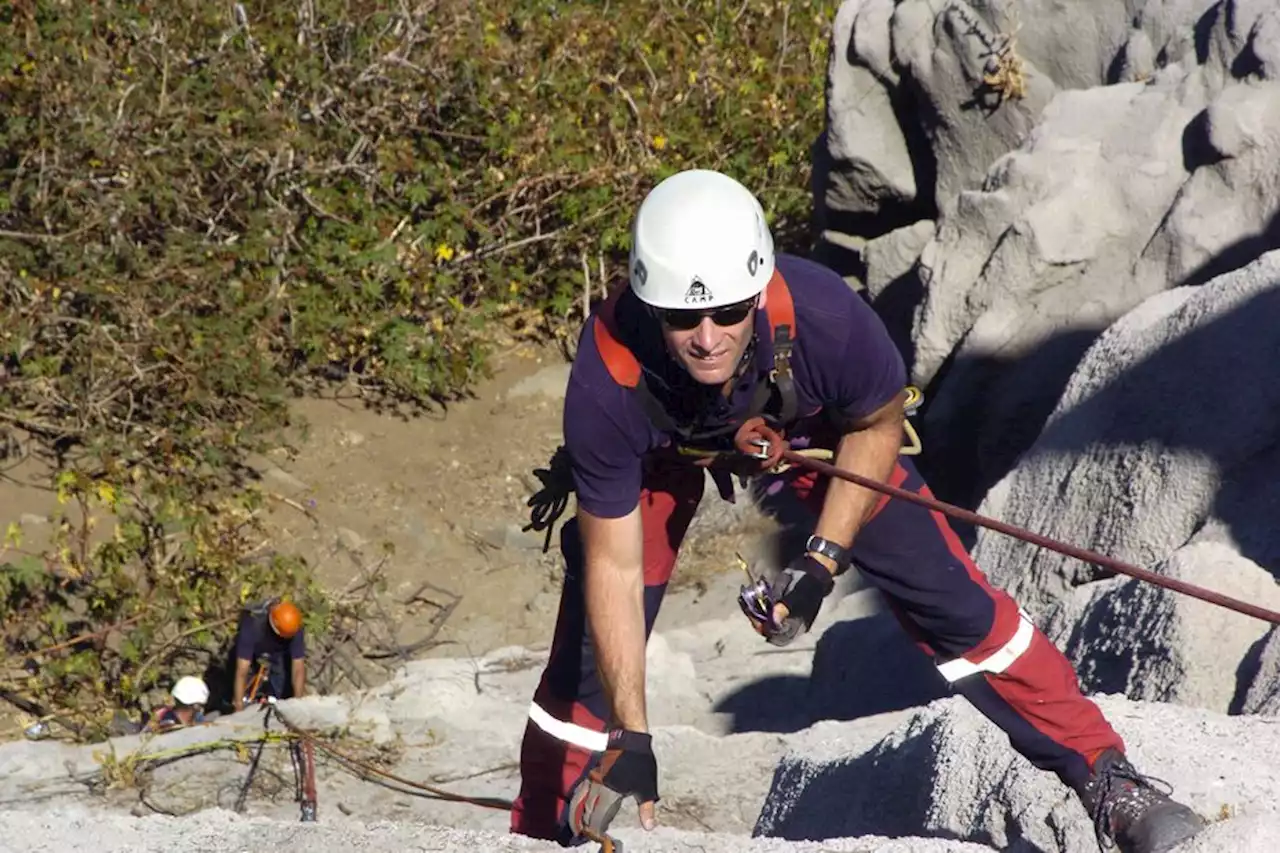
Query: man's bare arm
{"points": [[239, 683], [299, 677], [871, 449], [613, 586]]}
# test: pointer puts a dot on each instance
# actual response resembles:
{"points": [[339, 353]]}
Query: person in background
{"points": [[273, 635], [190, 695]]}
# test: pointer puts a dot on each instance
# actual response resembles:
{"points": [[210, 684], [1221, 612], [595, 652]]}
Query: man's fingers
{"points": [[593, 806], [648, 815], [780, 613]]}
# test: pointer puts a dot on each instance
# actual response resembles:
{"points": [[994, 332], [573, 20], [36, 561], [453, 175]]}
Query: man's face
{"points": [[708, 343]]}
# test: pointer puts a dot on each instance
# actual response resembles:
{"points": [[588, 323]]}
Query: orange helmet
{"points": [[286, 618]]}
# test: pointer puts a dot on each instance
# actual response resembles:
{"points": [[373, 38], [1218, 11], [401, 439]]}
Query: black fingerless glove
{"points": [[629, 766], [800, 587]]}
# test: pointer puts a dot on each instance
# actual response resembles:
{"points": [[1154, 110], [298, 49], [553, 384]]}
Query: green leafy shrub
{"points": [[205, 207]]}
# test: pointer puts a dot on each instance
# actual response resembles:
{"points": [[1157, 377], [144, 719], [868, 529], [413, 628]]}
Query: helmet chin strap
{"points": [[747, 352]]}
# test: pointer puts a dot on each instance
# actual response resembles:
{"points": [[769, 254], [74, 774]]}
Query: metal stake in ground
{"points": [[253, 765]]}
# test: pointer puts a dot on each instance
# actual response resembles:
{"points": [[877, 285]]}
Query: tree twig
{"points": [[168, 644]]}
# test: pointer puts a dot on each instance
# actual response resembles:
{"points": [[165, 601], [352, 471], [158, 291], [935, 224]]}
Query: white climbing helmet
{"points": [[700, 240], [190, 690]]}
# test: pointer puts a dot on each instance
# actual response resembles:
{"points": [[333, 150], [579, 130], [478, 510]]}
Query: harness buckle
{"points": [[763, 452]]}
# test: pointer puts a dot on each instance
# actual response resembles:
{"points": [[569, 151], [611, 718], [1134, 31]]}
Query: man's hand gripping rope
{"points": [[785, 609], [757, 440]]}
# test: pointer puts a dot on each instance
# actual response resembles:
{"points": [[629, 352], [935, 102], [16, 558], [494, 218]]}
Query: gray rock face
{"points": [[1263, 695], [1141, 155], [910, 118], [1225, 212], [1020, 281], [952, 772], [871, 165], [1161, 417], [945, 51], [1134, 638], [1075, 44]]}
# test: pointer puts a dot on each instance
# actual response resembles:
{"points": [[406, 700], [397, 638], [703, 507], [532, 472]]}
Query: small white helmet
{"points": [[700, 240], [190, 690]]}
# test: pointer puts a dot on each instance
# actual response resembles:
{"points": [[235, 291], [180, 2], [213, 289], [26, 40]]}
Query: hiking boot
{"points": [[1129, 810]]}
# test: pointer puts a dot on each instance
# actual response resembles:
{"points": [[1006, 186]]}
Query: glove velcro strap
{"points": [[808, 574], [625, 739]]}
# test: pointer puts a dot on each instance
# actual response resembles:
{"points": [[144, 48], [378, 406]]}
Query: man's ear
{"points": [[763, 299]]}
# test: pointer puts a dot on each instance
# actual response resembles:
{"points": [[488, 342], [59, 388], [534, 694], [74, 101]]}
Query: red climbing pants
{"points": [[986, 649]]}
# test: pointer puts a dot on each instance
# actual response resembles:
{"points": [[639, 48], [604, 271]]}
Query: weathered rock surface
{"points": [[952, 773], [1140, 154], [1161, 426]]}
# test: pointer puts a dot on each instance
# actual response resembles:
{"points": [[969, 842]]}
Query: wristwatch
{"points": [[830, 550]]}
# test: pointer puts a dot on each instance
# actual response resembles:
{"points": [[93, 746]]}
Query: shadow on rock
{"points": [[870, 666], [984, 412], [861, 668], [1217, 374], [967, 446], [772, 704], [875, 794]]}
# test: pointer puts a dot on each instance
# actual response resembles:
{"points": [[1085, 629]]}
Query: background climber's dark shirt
{"points": [[256, 638]]}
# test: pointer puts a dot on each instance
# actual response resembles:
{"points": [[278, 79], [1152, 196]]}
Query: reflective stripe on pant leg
{"points": [[569, 692], [566, 728], [996, 662], [1034, 695], [986, 647], [571, 733]]}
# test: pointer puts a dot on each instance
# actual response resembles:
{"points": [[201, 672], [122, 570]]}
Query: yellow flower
{"points": [[659, 142], [700, 38], [693, 77], [444, 252], [107, 494]]}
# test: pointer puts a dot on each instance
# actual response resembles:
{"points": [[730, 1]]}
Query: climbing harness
{"points": [[758, 439], [774, 401], [706, 447]]}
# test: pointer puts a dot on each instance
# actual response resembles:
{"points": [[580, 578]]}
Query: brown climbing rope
{"points": [[351, 761], [760, 441], [607, 843]]}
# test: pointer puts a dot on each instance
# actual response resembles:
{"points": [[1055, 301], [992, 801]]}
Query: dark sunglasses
{"points": [[685, 319]]}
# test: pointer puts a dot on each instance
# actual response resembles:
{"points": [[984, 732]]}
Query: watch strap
{"points": [[839, 555]]}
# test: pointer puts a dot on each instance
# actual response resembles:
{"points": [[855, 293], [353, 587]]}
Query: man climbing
{"points": [[714, 331], [270, 633]]}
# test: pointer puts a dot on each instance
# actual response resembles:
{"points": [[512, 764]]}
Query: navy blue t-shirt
{"points": [[843, 362], [256, 638]]}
